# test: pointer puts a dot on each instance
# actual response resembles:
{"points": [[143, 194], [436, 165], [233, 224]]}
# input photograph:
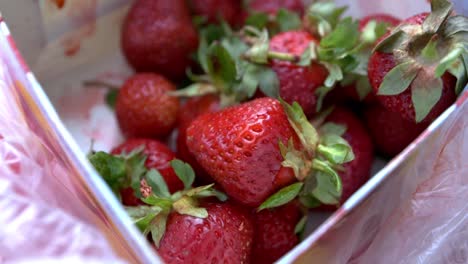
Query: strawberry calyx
{"points": [[283, 20], [151, 218], [424, 53], [315, 162], [121, 171]]}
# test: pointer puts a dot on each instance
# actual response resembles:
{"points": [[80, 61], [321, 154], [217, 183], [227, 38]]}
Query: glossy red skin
{"points": [[390, 133], [159, 157], [238, 147], [225, 236], [143, 107], [273, 6], [381, 63], [297, 83], [274, 233], [158, 36], [228, 10], [193, 108], [356, 172]]}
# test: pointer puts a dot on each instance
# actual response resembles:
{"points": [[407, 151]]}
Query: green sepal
{"points": [[343, 37], [196, 89], [425, 93], [157, 183], [328, 188], [184, 172], [448, 61], [454, 25], [430, 52], [335, 149], [321, 92], [282, 197], [226, 71], [287, 20], [257, 20], [262, 77], [440, 10], [392, 42], [333, 128], [143, 215], [335, 74], [398, 79], [300, 226], [363, 87], [258, 53], [324, 16], [206, 191], [295, 159], [459, 69], [308, 55], [111, 168], [158, 227], [111, 97], [373, 31]]}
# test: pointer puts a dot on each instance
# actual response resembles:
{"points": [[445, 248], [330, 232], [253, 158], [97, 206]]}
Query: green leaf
{"points": [[305, 131], [334, 74], [300, 226], [209, 192], [333, 128], [294, 159], [111, 168], [250, 79], [157, 183], [158, 227], [448, 61], [268, 82], [326, 11], [203, 56], [308, 55], [288, 20], [335, 149], [308, 200], [321, 92], [344, 36], [196, 89], [363, 87], [184, 171], [430, 52], [398, 79], [440, 10], [258, 53], [257, 20], [225, 71], [334, 178], [459, 69], [425, 93], [454, 25], [188, 206], [111, 97], [373, 31], [282, 197], [392, 41], [328, 183]]}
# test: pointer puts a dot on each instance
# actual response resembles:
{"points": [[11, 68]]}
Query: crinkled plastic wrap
{"points": [[56, 209]]}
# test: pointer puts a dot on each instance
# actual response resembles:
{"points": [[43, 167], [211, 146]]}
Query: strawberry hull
{"points": [[391, 214]]}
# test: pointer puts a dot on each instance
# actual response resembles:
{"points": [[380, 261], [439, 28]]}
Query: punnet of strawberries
{"points": [[242, 117]]}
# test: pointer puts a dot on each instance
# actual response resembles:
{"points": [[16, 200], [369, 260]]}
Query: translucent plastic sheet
{"points": [[53, 210]]}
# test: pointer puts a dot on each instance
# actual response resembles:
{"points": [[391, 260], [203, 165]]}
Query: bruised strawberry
{"points": [[418, 69], [193, 108], [224, 236], [144, 108], [158, 156], [356, 172], [238, 147], [275, 233], [273, 6], [390, 133], [159, 36], [214, 10], [297, 83]]}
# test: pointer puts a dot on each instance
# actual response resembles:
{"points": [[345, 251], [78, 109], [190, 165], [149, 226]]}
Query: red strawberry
{"points": [[272, 6], [143, 107], [159, 36], [193, 108], [297, 83], [390, 133], [412, 72], [225, 236], [158, 156], [238, 147], [213, 10], [357, 171], [274, 233]]}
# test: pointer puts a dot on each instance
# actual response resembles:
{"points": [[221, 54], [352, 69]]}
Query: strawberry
{"points": [[238, 147], [159, 36], [273, 6], [389, 131], [225, 236], [193, 108], [297, 83], [144, 108], [186, 228], [356, 172], [274, 233], [419, 67], [213, 10]]}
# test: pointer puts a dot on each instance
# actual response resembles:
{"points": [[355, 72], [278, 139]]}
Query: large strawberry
{"points": [[275, 232], [185, 228], [159, 36], [144, 107], [390, 132], [215, 10], [413, 69], [125, 168]]}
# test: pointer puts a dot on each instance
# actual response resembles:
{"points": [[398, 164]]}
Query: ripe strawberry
{"points": [[273, 6], [297, 83], [390, 133], [356, 172], [413, 69], [225, 236], [274, 233], [213, 10], [238, 147], [143, 107], [193, 107], [159, 36]]}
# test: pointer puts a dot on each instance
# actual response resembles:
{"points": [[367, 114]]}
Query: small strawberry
{"points": [[187, 229], [144, 108], [214, 10], [273, 6], [275, 233], [390, 132], [193, 108], [159, 36], [418, 69]]}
